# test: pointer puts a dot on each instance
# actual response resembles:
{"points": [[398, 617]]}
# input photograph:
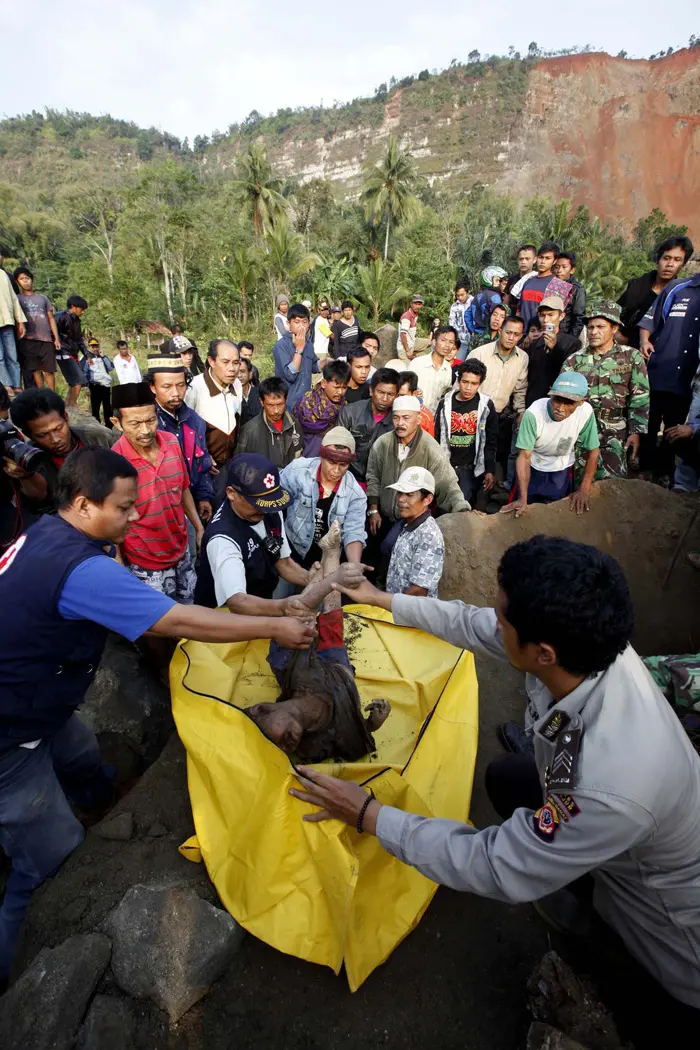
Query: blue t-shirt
{"points": [[102, 590]]}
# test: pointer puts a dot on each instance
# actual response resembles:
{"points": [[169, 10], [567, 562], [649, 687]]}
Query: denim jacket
{"points": [[349, 505]]}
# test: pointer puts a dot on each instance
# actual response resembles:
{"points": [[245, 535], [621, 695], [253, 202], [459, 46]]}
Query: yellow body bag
{"points": [[321, 891]]}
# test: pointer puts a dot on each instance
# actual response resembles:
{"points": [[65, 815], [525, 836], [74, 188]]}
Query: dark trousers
{"points": [[37, 826], [506, 418], [670, 409], [512, 782], [644, 1010], [101, 398], [468, 483], [688, 451]]}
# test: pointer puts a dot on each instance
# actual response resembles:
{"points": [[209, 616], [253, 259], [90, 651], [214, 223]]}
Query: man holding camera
{"points": [[41, 415]]}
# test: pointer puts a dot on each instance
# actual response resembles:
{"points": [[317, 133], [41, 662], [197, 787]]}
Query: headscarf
{"points": [[336, 455], [315, 412]]}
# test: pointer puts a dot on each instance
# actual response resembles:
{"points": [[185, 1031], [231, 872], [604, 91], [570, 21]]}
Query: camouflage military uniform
{"points": [[618, 390], [678, 678]]}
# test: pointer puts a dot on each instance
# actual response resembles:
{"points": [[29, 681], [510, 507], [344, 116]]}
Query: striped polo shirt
{"points": [[159, 538]]}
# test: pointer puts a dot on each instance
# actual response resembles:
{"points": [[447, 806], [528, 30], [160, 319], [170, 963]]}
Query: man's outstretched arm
{"points": [[466, 626]]}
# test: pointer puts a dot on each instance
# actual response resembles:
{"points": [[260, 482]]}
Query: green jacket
{"points": [[384, 468]]}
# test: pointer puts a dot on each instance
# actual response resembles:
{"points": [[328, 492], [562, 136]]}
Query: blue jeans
{"points": [[686, 478], [37, 826], [9, 363]]}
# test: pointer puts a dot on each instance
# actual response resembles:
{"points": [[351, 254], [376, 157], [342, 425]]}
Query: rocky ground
{"points": [[126, 947]]}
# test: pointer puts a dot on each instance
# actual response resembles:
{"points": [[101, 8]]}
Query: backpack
{"points": [[478, 314]]}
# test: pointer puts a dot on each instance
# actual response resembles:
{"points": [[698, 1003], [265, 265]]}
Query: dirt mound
{"points": [[637, 523]]}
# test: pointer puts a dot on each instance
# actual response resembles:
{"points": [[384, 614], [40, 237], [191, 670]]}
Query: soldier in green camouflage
{"points": [[678, 678], [618, 389]]}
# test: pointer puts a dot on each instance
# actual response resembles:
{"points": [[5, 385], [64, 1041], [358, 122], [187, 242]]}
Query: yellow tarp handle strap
{"points": [[190, 850]]}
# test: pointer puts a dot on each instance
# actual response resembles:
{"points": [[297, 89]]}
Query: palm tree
{"points": [[261, 189], [245, 267], [286, 256], [379, 289], [335, 278], [603, 276], [389, 190]]}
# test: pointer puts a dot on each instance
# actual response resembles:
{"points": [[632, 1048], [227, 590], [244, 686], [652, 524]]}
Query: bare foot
{"points": [[332, 538], [378, 712]]}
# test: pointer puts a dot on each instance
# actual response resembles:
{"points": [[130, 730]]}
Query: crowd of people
{"points": [[211, 488]]}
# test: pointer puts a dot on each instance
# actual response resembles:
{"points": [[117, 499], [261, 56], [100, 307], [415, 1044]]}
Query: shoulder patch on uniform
{"points": [[545, 821], [565, 805], [554, 724]]}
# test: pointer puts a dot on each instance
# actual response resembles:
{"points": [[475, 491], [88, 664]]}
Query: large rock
{"points": [[639, 524], [44, 1007], [109, 1025], [93, 880], [387, 335], [128, 708], [558, 997], [170, 946]]}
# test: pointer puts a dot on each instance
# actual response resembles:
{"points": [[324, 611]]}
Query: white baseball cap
{"points": [[413, 479]]}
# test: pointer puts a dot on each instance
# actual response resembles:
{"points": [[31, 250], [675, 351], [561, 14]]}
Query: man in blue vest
{"points": [[65, 592], [245, 549]]}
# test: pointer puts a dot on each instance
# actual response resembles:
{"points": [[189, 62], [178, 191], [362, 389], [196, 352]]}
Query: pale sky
{"points": [[189, 66]]}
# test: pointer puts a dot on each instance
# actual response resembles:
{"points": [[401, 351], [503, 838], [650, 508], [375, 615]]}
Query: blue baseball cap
{"points": [[258, 481], [570, 385]]}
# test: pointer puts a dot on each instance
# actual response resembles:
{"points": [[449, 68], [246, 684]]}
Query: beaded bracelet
{"points": [[361, 817]]}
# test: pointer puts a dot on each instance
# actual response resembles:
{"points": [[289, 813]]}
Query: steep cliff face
{"points": [[620, 136], [457, 127]]}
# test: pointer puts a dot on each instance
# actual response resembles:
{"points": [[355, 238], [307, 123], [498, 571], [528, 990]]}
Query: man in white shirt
{"points": [[216, 395], [280, 322], [322, 330], [506, 382], [434, 370], [245, 549], [125, 364]]}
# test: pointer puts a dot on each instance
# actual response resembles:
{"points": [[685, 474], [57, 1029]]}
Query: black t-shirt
{"points": [[321, 526], [463, 431], [361, 394], [545, 365]]}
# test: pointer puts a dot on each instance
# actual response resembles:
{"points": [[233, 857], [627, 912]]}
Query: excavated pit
{"points": [[639, 524]]}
